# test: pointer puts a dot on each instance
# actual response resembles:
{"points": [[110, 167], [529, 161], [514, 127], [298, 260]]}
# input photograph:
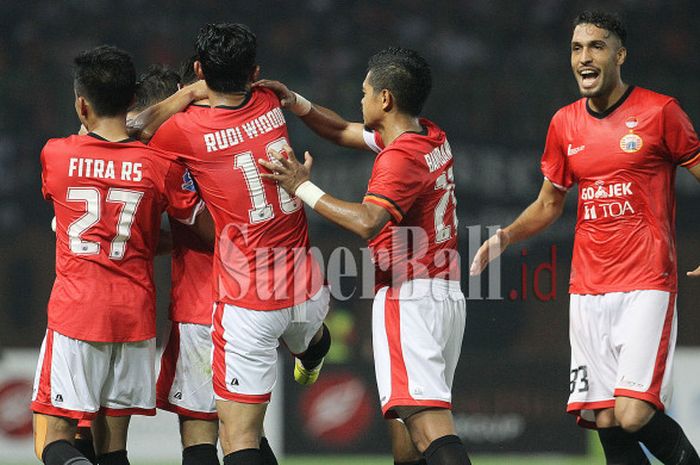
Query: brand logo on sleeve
{"points": [[188, 182], [574, 150]]}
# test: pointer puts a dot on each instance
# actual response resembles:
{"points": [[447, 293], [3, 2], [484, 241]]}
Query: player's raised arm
{"points": [[364, 219], [323, 121], [538, 216], [146, 123]]}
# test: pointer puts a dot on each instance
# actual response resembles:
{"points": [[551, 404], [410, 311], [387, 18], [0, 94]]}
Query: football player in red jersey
{"points": [[621, 144], [184, 381], [108, 193], [267, 287], [419, 312]]}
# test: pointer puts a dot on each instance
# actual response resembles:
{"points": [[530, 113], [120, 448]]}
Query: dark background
{"points": [[501, 70]]}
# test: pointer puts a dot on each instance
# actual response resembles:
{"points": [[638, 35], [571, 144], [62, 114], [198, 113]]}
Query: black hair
{"points": [[156, 84], [187, 75], [609, 21], [227, 53], [405, 74], [106, 77]]}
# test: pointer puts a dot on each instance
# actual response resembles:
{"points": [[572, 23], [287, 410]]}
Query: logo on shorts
{"points": [[234, 382], [58, 398], [178, 395]]}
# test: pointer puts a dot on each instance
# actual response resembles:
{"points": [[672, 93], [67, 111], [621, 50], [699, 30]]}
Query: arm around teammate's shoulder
{"points": [[323, 121], [541, 213]]}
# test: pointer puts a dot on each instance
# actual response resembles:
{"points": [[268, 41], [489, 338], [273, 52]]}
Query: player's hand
{"points": [[286, 96], [198, 90], [287, 171], [489, 250], [695, 273]]}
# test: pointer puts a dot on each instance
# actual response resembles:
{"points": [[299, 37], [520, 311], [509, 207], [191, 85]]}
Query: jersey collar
{"points": [[603, 114], [245, 101], [99, 137]]}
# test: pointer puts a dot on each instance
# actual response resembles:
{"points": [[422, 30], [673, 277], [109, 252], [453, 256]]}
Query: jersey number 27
{"points": [[90, 196]]}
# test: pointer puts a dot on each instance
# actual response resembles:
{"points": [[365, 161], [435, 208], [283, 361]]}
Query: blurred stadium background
{"points": [[501, 69]]}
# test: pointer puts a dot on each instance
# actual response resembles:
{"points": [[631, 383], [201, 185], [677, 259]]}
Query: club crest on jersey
{"points": [[631, 143]]}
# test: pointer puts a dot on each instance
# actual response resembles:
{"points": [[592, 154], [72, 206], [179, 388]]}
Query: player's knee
{"points": [[633, 417]]}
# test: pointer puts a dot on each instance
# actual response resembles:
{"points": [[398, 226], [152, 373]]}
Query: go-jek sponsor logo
{"points": [[606, 201]]}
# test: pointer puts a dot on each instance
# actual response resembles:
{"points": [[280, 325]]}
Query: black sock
{"points": [[200, 454], [87, 448], [118, 457], [60, 452], [244, 457], [268, 456], [447, 450], [413, 462], [315, 353], [665, 439], [621, 447]]}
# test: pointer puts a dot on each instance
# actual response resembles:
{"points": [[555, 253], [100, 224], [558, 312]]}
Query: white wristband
{"points": [[309, 193], [301, 106]]}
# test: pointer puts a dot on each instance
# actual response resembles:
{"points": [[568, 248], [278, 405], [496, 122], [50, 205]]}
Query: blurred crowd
{"points": [[500, 70]]}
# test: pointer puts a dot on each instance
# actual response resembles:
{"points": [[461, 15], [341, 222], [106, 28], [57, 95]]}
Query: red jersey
{"points": [[624, 161], [191, 270], [108, 198], [413, 180], [261, 258]]}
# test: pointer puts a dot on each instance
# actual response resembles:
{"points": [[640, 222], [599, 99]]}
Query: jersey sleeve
{"points": [[44, 185], [679, 136], [396, 182], [183, 200], [373, 140], [169, 137], [554, 163]]}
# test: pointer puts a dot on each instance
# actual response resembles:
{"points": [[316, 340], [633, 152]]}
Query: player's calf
{"points": [[446, 450], [62, 452], [621, 447], [200, 454], [307, 366], [666, 440]]}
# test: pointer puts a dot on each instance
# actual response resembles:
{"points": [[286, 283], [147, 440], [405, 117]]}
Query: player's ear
{"points": [[198, 69], [81, 107], [387, 100], [621, 56], [255, 74]]}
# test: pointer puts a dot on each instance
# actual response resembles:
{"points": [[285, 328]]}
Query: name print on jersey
{"points": [[438, 156], [230, 137], [105, 169]]}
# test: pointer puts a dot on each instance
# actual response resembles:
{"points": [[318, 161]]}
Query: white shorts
{"points": [[77, 379], [184, 383], [417, 335], [246, 341], [622, 344]]}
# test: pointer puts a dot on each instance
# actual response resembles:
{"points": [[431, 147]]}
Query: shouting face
{"points": [[596, 57]]}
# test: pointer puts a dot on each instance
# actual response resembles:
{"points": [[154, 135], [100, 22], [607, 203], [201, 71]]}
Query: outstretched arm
{"points": [[695, 171], [537, 217], [364, 219], [146, 123], [323, 121]]}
